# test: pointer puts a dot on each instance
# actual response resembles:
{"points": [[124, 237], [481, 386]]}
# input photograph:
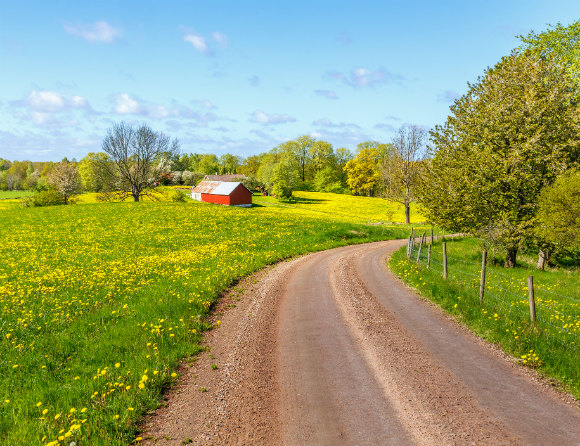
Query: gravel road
{"points": [[332, 349]]}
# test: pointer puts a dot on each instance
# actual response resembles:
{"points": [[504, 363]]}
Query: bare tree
{"points": [[133, 153], [65, 179], [403, 166]]}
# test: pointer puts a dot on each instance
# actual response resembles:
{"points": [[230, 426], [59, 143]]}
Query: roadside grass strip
{"points": [[100, 302], [551, 344]]}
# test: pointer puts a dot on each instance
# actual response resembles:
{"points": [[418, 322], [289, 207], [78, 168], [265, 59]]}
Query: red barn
{"points": [[221, 192]]}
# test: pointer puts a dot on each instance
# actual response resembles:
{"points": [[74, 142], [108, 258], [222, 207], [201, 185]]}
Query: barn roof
{"points": [[216, 187], [228, 177]]}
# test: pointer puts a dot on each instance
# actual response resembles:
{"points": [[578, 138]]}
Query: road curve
{"points": [[332, 349]]}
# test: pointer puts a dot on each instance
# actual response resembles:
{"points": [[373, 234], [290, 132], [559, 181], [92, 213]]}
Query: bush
{"points": [[178, 196], [44, 198]]}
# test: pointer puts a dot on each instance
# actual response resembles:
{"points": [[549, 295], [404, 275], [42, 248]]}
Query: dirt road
{"points": [[332, 349]]}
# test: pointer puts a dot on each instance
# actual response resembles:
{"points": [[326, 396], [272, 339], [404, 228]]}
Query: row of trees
{"points": [[497, 159], [134, 160]]}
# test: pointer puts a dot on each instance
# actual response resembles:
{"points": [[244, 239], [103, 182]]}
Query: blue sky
{"points": [[243, 76]]}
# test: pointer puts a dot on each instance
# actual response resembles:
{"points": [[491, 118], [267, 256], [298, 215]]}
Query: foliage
{"points": [[363, 172], [551, 345], [92, 179], [45, 198], [100, 302], [132, 152], [514, 131], [64, 178], [178, 196], [562, 43], [284, 179], [559, 211]]}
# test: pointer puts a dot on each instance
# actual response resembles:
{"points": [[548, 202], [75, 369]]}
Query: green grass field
{"points": [[11, 194], [551, 344], [99, 303]]}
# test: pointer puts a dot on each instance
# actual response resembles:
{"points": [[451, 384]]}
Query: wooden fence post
{"points": [[445, 275], [409, 246], [482, 280], [420, 247], [531, 298], [429, 257], [431, 235]]}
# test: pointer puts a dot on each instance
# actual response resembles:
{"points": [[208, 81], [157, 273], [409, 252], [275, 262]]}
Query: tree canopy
{"points": [[514, 131]]}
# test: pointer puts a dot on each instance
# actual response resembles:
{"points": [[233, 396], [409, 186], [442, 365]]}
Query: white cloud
{"points": [[263, 118], [327, 94], [45, 101], [99, 31], [363, 77], [198, 42], [202, 44], [127, 105]]}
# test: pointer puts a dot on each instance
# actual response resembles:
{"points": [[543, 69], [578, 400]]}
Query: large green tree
{"points": [[514, 131], [558, 219]]}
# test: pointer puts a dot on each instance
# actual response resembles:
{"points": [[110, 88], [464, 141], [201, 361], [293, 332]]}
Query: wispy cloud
{"points": [[385, 126], [264, 118], [99, 31], [203, 44], [198, 42], [324, 122], [125, 104], [363, 77], [448, 96], [326, 93]]}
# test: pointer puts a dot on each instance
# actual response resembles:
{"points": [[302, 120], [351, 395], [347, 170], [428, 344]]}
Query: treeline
{"points": [[390, 170]]}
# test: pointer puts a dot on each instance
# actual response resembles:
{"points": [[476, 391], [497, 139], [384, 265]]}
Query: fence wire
{"points": [[499, 298]]}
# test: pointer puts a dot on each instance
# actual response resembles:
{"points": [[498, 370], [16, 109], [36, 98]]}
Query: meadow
{"points": [[551, 344], [346, 207], [99, 302]]}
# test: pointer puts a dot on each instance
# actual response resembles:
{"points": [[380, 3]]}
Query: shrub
{"points": [[45, 198], [178, 196]]}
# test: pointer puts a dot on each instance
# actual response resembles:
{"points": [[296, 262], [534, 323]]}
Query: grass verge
{"points": [[550, 345]]}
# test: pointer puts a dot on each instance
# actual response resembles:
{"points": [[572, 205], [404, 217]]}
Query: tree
{"points": [[513, 132], [300, 149], [562, 43], [402, 166], [250, 166], [558, 220], [363, 172], [93, 177], [284, 179], [133, 153], [229, 163], [64, 178]]}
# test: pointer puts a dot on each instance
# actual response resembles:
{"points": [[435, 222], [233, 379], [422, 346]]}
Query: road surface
{"points": [[331, 349]]}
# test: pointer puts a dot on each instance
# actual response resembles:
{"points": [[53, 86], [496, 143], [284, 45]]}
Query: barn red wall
{"points": [[218, 199], [240, 195]]}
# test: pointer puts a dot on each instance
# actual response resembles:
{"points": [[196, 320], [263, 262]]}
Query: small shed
{"points": [[222, 192]]}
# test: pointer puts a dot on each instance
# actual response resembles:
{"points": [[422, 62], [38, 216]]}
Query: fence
{"points": [[556, 315]]}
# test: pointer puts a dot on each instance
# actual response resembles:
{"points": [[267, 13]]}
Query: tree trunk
{"points": [[543, 259], [135, 197], [407, 213], [510, 257]]}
